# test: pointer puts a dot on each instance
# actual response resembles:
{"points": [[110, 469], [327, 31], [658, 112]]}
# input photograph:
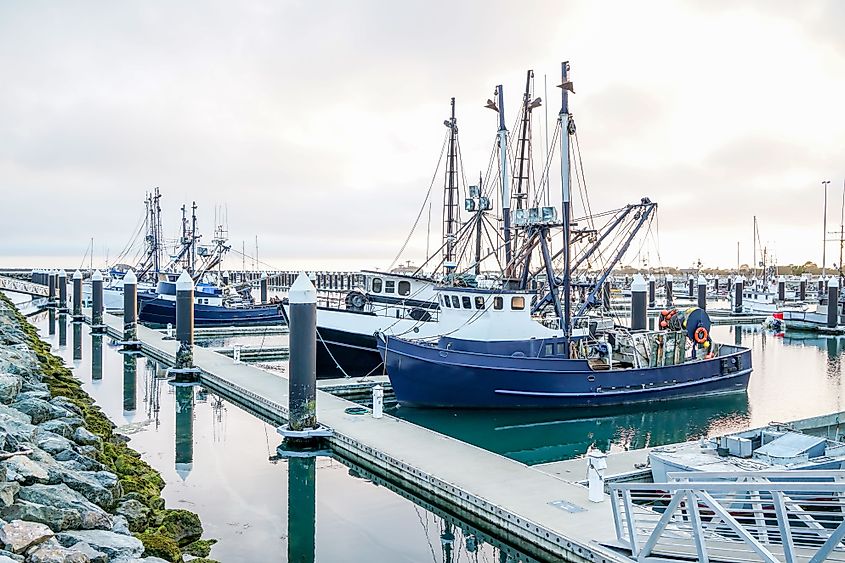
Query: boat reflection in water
{"points": [[541, 436]]}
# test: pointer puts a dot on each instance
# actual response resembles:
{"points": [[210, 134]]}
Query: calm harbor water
{"points": [[220, 461]]}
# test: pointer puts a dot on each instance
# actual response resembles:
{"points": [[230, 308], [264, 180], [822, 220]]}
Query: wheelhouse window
{"points": [[445, 299], [479, 302], [466, 301], [376, 285], [498, 303], [404, 288], [389, 286], [550, 349], [517, 302], [456, 303]]}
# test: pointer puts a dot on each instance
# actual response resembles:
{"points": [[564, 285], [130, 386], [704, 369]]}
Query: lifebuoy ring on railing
{"points": [[700, 335]]}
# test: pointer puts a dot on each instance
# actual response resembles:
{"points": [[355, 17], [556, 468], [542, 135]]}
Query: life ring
{"points": [[700, 335]]}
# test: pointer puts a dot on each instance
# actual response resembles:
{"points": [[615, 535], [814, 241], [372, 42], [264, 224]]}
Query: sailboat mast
{"points": [[450, 200], [503, 164], [564, 119]]}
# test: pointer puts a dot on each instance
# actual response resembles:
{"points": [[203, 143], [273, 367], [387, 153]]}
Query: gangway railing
{"points": [[21, 286], [771, 516]]}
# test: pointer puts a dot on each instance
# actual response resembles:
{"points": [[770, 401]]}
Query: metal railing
{"points": [[772, 516], [20, 286]]}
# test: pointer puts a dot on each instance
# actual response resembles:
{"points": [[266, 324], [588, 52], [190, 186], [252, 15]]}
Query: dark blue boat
{"points": [[210, 308], [455, 373]]}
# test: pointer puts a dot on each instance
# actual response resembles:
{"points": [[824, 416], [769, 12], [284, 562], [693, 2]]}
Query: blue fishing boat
{"points": [[515, 350], [212, 307]]}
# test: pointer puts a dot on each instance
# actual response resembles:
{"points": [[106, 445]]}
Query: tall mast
{"points": [[522, 168], [565, 122], [841, 233], [450, 195], [824, 230], [478, 225], [193, 237], [157, 233], [184, 239], [754, 247], [503, 163]]}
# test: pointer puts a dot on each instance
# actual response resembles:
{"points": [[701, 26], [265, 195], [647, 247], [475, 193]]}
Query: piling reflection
{"points": [[184, 428], [62, 330], [153, 378], [51, 322], [96, 357], [130, 379], [302, 511], [542, 436], [737, 335], [77, 341]]}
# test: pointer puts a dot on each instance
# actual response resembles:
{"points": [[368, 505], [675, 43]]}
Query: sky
{"points": [[317, 126]]}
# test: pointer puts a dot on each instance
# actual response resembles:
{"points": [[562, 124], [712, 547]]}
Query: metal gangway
{"points": [[21, 286], [771, 516]]}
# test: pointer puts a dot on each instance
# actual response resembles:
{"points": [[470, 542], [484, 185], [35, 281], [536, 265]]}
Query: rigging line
{"points": [[581, 166], [422, 208], [545, 176]]}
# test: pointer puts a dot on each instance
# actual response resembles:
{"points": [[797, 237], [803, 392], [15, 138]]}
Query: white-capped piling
{"points": [[77, 296], [702, 292], [51, 289], [639, 307], [263, 285], [781, 288], [130, 310], [62, 283], [833, 302], [802, 288], [97, 301], [303, 354], [739, 282], [670, 298], [820, 286], [184, 322], [652, 290], [596, 466], [691, 287]]}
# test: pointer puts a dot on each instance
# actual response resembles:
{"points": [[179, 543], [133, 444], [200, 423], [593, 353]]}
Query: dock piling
{"points": [[62, 283], [184, 327], [77, 296], [802, 288], [263, 284], [833, 302], [236, 352], [781, 288], [130, 311], [691, 287], [652, 290], [639, 308], [702, 292], [51, 289], [738, 287], [670, 298], [97, 302]]}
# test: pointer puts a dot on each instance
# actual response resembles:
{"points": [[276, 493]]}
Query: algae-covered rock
{"points": [[160, 545], [181, 525], [199, 548], [135, 512]]}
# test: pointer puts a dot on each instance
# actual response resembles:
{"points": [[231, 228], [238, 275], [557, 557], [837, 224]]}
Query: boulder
{"points": [[181, 525], [135, 512], [38, 409], [73, 421], [33, 384], [8, 490], [9, 443], [17, 424], [56, 518], [66, 404], [24, 470], [115, 546], [6, 556], [120, 525], [42, 394], [58, 426], [94, 556], [86, 484], [77, 462], [63, 497], [84, 437], [10, 386], [18, 536], [52, 552], [50, 442]]}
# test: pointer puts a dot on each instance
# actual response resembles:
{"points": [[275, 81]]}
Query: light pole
{"points": [[824, 229]]}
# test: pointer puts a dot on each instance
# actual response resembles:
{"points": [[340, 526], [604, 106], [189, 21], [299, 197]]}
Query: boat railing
{"points": [[771, 516]]}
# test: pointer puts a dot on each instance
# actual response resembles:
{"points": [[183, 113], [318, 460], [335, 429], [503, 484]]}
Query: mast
{"points": [[824, 230], [754, 247], [157, 234], [503, 163], [522, 168], [565, 122], [450, 195], [478, 225], [184, 239], [194, 237]]}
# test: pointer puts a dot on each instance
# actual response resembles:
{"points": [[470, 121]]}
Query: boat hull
{"points": [[428, 376], [158, 311]]}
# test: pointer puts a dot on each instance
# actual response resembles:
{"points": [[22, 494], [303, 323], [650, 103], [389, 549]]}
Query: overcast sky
{"points": [[318, 124]]}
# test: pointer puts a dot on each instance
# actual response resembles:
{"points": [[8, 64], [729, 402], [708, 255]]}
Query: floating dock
{"points": [[544, 514]]}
